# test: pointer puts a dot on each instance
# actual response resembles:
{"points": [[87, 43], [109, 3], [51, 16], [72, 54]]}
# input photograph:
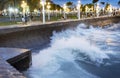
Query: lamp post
{"points": [[10, 12], [64, 7], [43, 9], [97, 10], [48, 7], [78, 8], [4, 12], [86, 10], [110, 10], [14, 10], [103, 10]]}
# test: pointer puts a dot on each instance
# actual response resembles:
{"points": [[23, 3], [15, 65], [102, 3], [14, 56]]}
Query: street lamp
{"points": [[64, 7], [110, 10], [97, 10], [78, 7], [103, 10], [4, 12], [24, 5], [43, 2], [86, 10], [48, 7], [11, 10], [15, 13]]}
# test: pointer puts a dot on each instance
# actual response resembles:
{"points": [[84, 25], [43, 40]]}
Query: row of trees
{"points": [[35, 4]]}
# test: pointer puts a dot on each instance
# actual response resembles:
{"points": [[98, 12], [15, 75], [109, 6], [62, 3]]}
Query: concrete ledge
{"points": [[12, 59]]}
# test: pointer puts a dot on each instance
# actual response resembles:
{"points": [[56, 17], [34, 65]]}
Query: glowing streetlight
{"points": [[4, 12], [103, 10], [43, 2], [86, 10], [23, 5], [64, 7], [35, 11], [15, 13], [78, 7], [110, 10], [16, 10], [48, 7], [11, 10]]}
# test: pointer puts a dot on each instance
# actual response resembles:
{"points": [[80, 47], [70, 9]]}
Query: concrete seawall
{"points": [[12, 60], [37, 36]]}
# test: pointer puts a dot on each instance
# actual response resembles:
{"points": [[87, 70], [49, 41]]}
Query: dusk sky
{"points": [[61, 2]]}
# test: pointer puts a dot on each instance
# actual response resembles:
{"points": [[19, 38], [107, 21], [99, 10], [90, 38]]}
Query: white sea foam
{"points": [[58, 61]]}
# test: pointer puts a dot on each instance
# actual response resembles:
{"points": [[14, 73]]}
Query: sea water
{"points": [[79, 53]]}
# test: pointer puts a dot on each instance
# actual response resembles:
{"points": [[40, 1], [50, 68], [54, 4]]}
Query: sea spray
{"points": [[80, 43]]}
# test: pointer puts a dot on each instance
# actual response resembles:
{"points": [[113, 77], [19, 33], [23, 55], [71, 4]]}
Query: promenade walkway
{"points": [[40, 22]]}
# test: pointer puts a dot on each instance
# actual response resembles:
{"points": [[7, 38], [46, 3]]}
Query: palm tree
{"points": [[7, 3], [70, 5], [94, 1], [33, 4], [103, 3], [2, 4], [119, 2]]}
